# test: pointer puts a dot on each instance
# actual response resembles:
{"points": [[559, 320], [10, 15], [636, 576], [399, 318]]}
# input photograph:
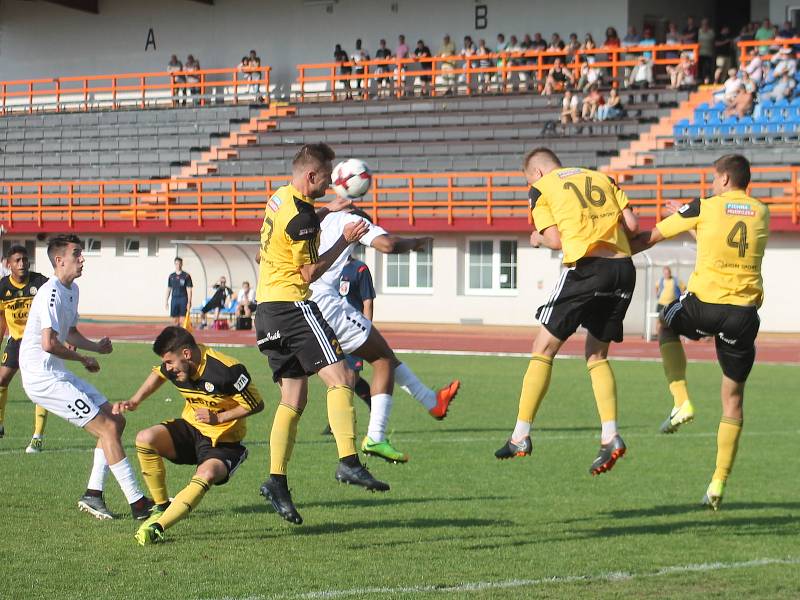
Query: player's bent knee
{"points": [[212, 470]]}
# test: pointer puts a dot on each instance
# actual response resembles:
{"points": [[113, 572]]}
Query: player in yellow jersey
{"points": [[723, 296], [16, 294], [219, 395], [291, 330], [585, 215]]}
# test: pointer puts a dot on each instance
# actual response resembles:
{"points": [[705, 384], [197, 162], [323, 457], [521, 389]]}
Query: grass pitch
{"points": [[457, 522]]}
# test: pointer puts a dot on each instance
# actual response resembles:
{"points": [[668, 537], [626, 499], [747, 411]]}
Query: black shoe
{"points": [[359, 476], [140, 510], [281, 499], [512, 448], [608, 455], [2, 430]]}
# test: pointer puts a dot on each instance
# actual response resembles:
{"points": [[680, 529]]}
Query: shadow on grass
{"points": [[371, 501], [676, 509]]}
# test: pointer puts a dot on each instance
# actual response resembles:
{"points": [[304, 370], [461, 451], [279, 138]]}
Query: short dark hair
{"points": [[313, 154], [16, 249], [57, 244], [735, 166], [541, 150], [173, 339], [178, 258]]}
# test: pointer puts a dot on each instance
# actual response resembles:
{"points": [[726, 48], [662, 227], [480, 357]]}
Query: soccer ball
{"points": [[351, 178]]}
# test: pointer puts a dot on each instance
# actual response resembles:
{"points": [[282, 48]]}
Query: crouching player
{"points": [[219, 395]]}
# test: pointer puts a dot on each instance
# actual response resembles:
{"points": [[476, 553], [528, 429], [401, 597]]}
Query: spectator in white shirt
{"points": [[755, 67], [569, 108], [246, 299]]}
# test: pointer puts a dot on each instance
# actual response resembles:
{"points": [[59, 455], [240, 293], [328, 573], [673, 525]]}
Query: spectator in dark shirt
{"points": [[176, 66], [179, 292], [422, 51], [723, 53], [383, 53], [219, 299], [341, 58], [689, 33]]}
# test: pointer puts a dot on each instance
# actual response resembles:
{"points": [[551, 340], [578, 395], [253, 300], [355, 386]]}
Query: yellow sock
{"points": [[281, 439], [3, 401], [39, 421], [186, 500], [534, 387], [342, 417], [155, 476], [674, 360], [727, 445], [605, 389]]}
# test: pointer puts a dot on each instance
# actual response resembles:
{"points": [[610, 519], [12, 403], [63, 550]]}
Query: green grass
{"points": [[455, 516]]}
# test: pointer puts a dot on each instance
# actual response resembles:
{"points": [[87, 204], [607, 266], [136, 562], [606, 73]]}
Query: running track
{"points": [[775, 348]]}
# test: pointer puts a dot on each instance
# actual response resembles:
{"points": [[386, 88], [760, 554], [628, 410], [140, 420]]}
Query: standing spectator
{"points": [[765, 32], [515, 50], [612, 39], [422, 51], [612, 109], [448, 49], [689, 33], [485, 76], [401, 51], [723, 53], [573, 45], [383, 53], [588, 42], [243, 71], [681, 75], [246, 300], [705, 40], [591, 102], [787, 32], [668, 289], [538, 42], [672, 38], [176, 66], [359, 57], [569, 108], [179, 292], [648, 39], [255, 75], [556, 43], [191, 67], [220, 299], [467, 52], [345, 70], [558, 78], [632, 38], [502, 46]]}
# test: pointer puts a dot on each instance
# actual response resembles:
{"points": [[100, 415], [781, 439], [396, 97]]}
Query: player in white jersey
{"points": [[357, 335], [53, 323]]}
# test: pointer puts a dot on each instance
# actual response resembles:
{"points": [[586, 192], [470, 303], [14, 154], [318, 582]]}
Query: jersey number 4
{"points": [[739, 230], [593, 193]]}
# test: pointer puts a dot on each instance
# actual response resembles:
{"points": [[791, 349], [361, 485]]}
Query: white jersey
{"points": [[332, 228], [54, 307]]}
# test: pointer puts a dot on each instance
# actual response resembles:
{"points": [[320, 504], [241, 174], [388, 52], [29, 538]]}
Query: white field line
{"points": [[480, 586]]}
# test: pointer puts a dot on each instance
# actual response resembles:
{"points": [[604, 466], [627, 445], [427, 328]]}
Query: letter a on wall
{"points": [[151, 40]]}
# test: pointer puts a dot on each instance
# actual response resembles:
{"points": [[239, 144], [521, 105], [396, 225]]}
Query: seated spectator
{"points": [[723, 53], [191, 66], [782, 62], [754, 66], [588, 42], [742, 104], [681, 75], [246, 299], [383, 53], [359, 57], [590, 75], [539, 42], [556, 43], [176, 66], [591, 102], [786, 32], [612, 39], [220, 299], [730, 88], [341, 58], [422, 51], [573, 45], [558, 78], [569, 108], [782, 89], [612, 109], [641, 76], [631, 38]]}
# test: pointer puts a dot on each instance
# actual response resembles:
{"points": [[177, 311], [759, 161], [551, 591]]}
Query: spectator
{"points": [[681, 75], [591, 102], [573, 45], [422, 51], [641, 76], [502, 46], [588, 42], [590, 75], [246, 300], [401, 51], [612, 39], [243, 70], [743, 102], [467, 53], [556, 43], [672, 38], [255, 75], [190, 67], [786, 32], [648, 39], [219, 299], [755, 66], [345, 70], [176, 66], [783, 62], [765, 32], [783, 88], [747, 33], [383, 53], [612, 109], [689, 33], [485, 76], [705, 40], [448, 49], [668, 289], [538, 42], [569, 108], [558, 78], [179, 292], [514, 49], [730, 88], [632, 38], [359, 57], [723, 53]]}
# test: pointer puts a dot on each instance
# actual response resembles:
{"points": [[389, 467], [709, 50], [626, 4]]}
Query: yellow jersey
{"points": [[732, 231], [289, 240], [585, 206], [670, 290], [15, 300], [221, 383]]}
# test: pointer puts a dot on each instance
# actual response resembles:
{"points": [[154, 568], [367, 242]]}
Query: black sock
{"points": [[165, 506], [158, 526], [143, 501], [362, 389], [351, 461], [94, 493]]}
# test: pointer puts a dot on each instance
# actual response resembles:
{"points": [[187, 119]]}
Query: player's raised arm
{"points": [[352, 233], [392, 244], [147, 389]]}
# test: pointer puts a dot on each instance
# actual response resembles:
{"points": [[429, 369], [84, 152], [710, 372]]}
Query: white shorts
{"points": [[350, 326], [65, 395]]}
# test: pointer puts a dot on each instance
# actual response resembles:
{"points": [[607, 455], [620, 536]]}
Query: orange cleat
{"points": [[443, 399]]}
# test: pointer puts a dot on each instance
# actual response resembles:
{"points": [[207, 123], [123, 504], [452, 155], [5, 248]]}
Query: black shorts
{"points": [[595, 293], [296, 339], [734, 329], [177, 306], [193, 448], [11, 354]]}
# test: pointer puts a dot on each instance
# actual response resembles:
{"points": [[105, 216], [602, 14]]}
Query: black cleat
{"points": [[608, 455], [140, 510], [279, 496], [95, 506], [2, 430], [512, 448], [359, 476]]}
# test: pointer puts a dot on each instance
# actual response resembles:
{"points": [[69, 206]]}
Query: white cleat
{"points": [[680, 415]]}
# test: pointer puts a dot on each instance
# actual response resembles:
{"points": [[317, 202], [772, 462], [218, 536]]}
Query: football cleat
{"points": [[279, 496], [511, 448], [36, 446], [608, 455], [95, 506], [679, 415], [149, 534], [383, 450], [359, 475], [713, 497], [141, 509], [443, 399], [2, 430]]}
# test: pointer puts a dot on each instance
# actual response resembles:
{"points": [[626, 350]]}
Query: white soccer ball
{"points": [[351, 178]]}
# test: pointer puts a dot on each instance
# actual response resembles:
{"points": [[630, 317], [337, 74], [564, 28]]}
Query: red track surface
{"points": [[468, 338]]}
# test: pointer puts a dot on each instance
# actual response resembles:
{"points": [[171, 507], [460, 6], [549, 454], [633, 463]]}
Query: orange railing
{"points": [[450, 197], [768, 45], [503, 68], [134, 89]]}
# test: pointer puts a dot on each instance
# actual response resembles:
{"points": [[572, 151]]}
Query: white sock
{"points": [[608, 432], [521, 430], [99, 471], [37, 436], [127, 480], [414, 387], [379, 416]]}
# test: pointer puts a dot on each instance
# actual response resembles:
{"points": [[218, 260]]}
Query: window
{"points": [[412, 272], [360, 252], [93, 246], [131, 247], [491, 266]]}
